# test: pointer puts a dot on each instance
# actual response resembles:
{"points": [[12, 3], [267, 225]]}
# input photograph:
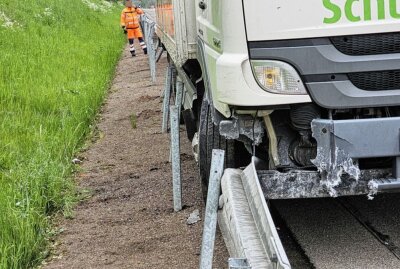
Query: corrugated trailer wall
{"points": [[165, 16], [176, 27]]}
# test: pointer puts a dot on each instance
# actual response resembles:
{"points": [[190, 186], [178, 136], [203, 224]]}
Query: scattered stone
{"points": [[134, 176], [76, 161], [185, 157], [193, 218]]}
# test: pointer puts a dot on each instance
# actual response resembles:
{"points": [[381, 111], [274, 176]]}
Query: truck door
{"points": [[209, 24]]}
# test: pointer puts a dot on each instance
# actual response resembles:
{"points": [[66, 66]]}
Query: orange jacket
{"points": [[130, 17]]}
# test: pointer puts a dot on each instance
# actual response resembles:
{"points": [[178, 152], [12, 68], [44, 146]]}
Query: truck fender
{"points": [[216, 116]]}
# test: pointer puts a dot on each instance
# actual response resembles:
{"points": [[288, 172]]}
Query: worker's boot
{"points": [[143, 45], [132, 48]]}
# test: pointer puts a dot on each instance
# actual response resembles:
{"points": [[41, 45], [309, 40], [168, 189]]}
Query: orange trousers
{"points": [[134, 33]]}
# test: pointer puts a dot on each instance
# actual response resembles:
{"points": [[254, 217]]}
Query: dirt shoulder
{"points": [[129, 220]]}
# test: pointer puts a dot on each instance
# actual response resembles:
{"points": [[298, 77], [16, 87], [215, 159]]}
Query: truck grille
{"points": [[376, 81], [368, 44]]}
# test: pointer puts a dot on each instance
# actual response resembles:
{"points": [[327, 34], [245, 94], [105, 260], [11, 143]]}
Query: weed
{"points": [[133, 119]]}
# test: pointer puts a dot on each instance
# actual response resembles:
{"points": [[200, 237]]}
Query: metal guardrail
{"points": [[176, 159], [167, 95], [211, 215], [148, 26]]}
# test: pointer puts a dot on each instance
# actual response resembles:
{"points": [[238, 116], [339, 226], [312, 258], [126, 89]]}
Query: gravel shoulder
{"points": [[129, 221]]}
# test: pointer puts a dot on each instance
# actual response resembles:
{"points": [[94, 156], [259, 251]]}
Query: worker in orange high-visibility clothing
{"points": [[131, 26]]}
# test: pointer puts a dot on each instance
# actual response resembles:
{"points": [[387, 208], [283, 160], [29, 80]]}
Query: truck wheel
{"points": [[190, 123], [209, 139]]}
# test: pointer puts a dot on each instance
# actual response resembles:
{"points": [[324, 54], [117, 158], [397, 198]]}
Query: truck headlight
{"points": [[277, 77]]}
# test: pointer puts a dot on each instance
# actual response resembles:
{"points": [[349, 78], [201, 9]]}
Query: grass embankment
{"points": [[56, 62]]}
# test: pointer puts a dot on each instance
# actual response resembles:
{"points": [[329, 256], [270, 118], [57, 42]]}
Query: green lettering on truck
{"points": [[337, 12], [393, 9], [348, 9], [383, 8], [367, 10]]}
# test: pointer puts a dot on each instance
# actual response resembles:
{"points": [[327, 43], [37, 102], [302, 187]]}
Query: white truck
{"points": [[310, 87], [307, 92]]}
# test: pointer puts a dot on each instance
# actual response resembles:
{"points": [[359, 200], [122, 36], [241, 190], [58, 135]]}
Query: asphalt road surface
{"points": [[349, 232]]}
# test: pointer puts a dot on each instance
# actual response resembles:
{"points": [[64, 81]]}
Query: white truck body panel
{"points": [[238, 87], [233, 83], [225, 32], [283, 19], [176, 27]]}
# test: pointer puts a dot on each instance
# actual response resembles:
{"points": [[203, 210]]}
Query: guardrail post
{"points": [[148, 27], [179, 95], [176, 159], [167, 96], [210, 221], [152, 52], [142, 25]]}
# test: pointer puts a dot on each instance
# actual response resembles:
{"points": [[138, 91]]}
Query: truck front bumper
{"points": [[340, 144]]}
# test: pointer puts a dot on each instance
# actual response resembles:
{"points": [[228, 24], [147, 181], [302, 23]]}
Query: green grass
{"points": [[133, 120], [54, 73]]}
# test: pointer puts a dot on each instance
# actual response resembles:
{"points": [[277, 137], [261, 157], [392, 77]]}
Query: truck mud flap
{"points": [[246, 222]]}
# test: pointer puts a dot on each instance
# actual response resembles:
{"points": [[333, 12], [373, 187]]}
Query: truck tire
{"points": [[209, 139], [190, 122]]}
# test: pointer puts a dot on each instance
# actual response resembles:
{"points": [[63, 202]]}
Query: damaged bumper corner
{"points": [[295, 184], [341, 143], [308, 184], [246, 126]]}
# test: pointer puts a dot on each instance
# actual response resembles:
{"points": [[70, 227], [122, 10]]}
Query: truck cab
{"points": [[310, 87]]}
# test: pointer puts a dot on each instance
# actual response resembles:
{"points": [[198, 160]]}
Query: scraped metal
{"points": [[237, 126], [210, 221], [264, 222], [246, 223], [308, 184], [342, 142], [176, 159]]}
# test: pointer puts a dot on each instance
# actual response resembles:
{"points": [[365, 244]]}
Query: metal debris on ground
{"points": [[193, 218]]}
